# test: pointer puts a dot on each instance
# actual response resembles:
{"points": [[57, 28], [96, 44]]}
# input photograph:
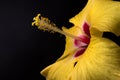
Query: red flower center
{"points": [[84, 40]]}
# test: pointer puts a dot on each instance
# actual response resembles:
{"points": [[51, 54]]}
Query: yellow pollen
{"points": [[46, 25]]}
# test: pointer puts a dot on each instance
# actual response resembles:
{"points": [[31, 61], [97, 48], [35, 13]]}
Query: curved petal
{"points": [[104, 15], [100, 14]]}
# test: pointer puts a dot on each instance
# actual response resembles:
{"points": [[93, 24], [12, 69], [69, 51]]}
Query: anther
{"points": [[46, 25]]}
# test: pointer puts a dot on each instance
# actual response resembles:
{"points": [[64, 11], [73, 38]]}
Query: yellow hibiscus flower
{"points": [[92, 50]]}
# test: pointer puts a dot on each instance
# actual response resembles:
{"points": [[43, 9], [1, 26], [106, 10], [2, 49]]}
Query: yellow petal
{"points": [[100, 14], [104, 15]]}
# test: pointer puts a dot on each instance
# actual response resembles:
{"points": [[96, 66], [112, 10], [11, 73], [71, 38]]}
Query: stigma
{"points": [[46, 25]]}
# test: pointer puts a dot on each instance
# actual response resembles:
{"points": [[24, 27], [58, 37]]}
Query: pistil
{"points": [[46, 25]]}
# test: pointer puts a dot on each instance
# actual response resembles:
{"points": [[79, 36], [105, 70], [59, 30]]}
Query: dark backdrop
{"points": [[24, 50]]}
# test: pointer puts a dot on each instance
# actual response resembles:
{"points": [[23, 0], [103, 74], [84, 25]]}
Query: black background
{"points": [[25, 50]]}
